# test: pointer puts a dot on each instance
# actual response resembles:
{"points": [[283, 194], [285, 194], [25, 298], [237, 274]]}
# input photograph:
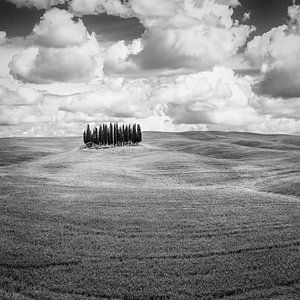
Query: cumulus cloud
{"points": [[216, 97], [116, 58], [277, 53], [22, 96], [188, 34], [2, 36], [94, 7], [16, 115], [67, 53], [181, 84], [71, 64], [246, 16], [20, 104], [115, 99], [58, 29], [178, 34], [213, 99], [39, 4]]}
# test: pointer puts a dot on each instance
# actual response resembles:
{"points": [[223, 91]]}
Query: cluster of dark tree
{"points": [[113, 134]]}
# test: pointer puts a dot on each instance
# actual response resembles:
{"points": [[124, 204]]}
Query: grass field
{"points": [[195, 215]]}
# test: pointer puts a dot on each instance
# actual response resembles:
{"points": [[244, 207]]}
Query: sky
{"points": [[171, 65]]}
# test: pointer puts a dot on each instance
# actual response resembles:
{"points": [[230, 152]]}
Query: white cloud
{"points": [[17, 115], [94, 7], [232, 3], [21, 96], [75, 58], [71, 64], [179, 34], [216, 97], [173, 75], [212, 99], [277, 53], [20, 104], [58, 29], [196, 35], [39, 4], [246, 16], [2, 36], [116, 58], [115, 99]]}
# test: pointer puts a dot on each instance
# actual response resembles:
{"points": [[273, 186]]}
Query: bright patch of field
{"points": [[189, 215]]}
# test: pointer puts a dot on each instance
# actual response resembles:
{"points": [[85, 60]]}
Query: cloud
{"points": [[116, 58], [17, 115], [114, 99], [22, 96], [188, 34], [246, 16], [216, 99], [20, 104], [58, 29], [72, 64], [173, 77], [2, 37], [277, 53], [39, 4], [178, 34], [95, 7], [232, 3], [67, 53]]}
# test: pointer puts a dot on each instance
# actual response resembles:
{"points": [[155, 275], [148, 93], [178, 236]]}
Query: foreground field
{"points": [[187, 215]]}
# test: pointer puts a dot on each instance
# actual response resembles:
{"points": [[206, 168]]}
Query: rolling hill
{"points": [[192, 215]]}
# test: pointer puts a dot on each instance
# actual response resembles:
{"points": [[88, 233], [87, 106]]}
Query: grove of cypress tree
{"points": [[113, 134]]}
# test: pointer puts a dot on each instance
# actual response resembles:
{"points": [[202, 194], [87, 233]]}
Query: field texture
{"points": [[186, 215]]}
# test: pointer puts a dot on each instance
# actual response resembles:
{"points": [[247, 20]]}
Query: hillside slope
{"points": [[194, 215]]}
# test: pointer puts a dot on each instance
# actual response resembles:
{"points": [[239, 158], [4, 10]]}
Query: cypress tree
{"points": [[84, 137], [120, 136], [111, 134], [133, 137], [126, 135], [100, 135], [138, 134], [88, 134], [96, 136], [116, 141], [104, 134], [107, 135], [123, 134], [129, 134]]}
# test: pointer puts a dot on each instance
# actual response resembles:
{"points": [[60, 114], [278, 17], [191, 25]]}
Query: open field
{"points": [[195, 215]]}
